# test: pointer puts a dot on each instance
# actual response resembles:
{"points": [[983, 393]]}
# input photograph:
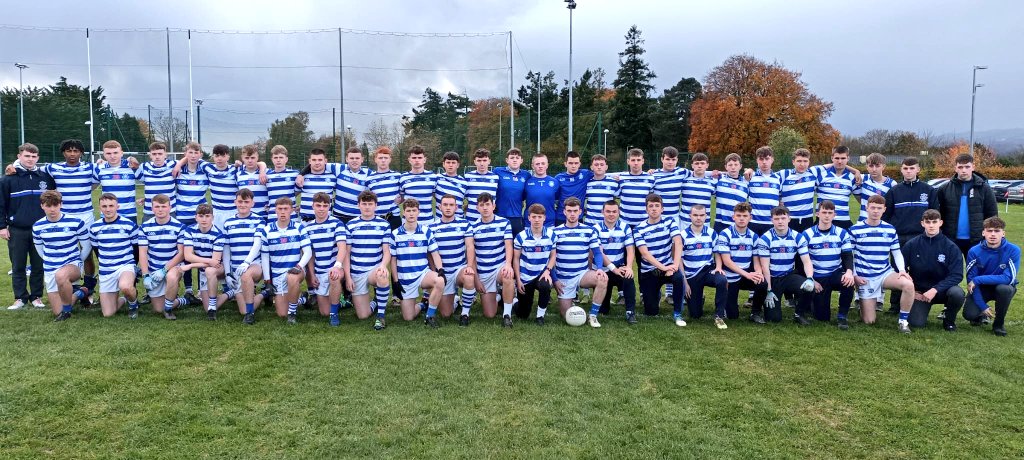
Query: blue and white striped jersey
{"points": [[113, 243], [836, 187], [798, 192], [251, 180], [367, 239], [192, 187], [450, 185], [119, 180], [669, 186], [161, 240], [698, 249], [411, 250], [781, 251], [489, 243], [74, 184], [281, 184], [658, 238], [421, 187], [573, 246], [204, 244], [872, 246], [283, 246], [315, 183], [764, 192], [324, 238], [477, 183], [696, 190], [729, 192], [223, 186], [385, 186], [239, 235], [869, 187], [633, 191], [599, 191], [615, 241], [156, 180], [535, 252], [740, 247], [826, 248], [59, 242], [451, 242], [347, 187]]}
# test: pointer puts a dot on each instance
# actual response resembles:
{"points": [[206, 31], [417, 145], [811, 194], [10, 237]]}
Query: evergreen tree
{"points": [[630, 122]]}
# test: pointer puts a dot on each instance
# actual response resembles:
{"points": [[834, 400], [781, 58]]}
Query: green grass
{"points": [[94, 387]]}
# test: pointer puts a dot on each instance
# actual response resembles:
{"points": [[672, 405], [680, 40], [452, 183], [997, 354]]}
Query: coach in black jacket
{"points": [[966, 192], [937, 268], [19, 210]]}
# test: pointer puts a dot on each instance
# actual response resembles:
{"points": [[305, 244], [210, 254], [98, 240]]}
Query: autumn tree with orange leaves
{"points": [[746, 99], [983, 155]]}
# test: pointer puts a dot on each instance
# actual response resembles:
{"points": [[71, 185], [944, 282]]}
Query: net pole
{"points": [[88, 66], [191, 97], [511, 99], [170, 104]]}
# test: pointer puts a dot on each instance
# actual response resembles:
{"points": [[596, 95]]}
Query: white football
{"points": [[575, 316]]}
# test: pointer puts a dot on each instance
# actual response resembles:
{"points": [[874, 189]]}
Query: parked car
{"points": [[1001, 188], [1014, 195]]}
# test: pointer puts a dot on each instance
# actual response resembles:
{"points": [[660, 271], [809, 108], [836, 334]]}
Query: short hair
{"points": [[192, 145], [598, 157], [840, 149], [670, 152], [964, 158], [572, 154], [27, 147], [931, 214], [780, 211], [877, 199], [995, 222], [827, 205], [317, 151], [876, 159], [910, 161], [633, 153], [50, 198], [353, 149], [698, 157], [733, 157], [513, 151], [764, 152], [449, 195], [698, 207], [162, 199], [204, 209], [244, 194], [279, 150], [249, 150], [482, 153], [382, 150], [157, 146], [108, 196], [450, 156], [321, 197], [367, 196], [611, 202], [743, 207], [410, 203], [484, 198], [282, 201], [416, 150], [72, 144], [111, 144], [802, 153], [221, 149], [653, 198], [539, 155], [538, 209], [571, 202]]}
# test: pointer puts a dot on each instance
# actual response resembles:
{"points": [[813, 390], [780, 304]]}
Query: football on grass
{"points": [[575, 316]]}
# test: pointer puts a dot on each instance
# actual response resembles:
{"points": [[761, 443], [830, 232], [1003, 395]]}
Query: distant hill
{"points": [[1004, 141]]}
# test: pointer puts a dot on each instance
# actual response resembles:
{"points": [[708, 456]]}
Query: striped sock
{"points": [[168, 305], [431, 311], [334, 308], [249, 308], [595, 309], [468, 297], [382, 300], [181, 301], [228, 292], [133, 305], [293, 308], [302, 299], [212, 304]]}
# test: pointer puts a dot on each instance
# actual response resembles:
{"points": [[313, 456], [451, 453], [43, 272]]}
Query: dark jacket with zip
{"points": [[933, 262], [905, 202], [19, 197], [981, 204]]}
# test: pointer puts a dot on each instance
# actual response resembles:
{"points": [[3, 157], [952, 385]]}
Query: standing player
{"points": [[418, 184], [936, 265], [875, 184], [965, 201], [157, 178], [19, 211], [992, 268], [281, 179], [701, 268], [479, 181], [250, 176], [414, 250], [161, 251], [735, 248], [697, 188], [455, 247], [283, 247], [764, 191], [660, 247], [318, 177], [533, 257], [730, 190], [204, 249], [777, 251], [240, 233], [873, 242], [62, 242], [542, 189], [668, 182], [635, 186], [572, 183], [327, 237], [618, 248], [511, 189], [600, 189], [221, 177], [836, 183], [113, 236], [574, 244], [492, 248], [117, 177], [367, 259], [384, 183], [450, 183], [797, 195], [192, 184], [831, 252]]}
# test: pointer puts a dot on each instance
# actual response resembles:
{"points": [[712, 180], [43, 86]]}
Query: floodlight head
{"points": [[980, 67], [20, 65], [606, 130], [571, 4]]}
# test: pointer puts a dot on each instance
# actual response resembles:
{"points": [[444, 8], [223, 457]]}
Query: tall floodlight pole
{"points": [[974, 93], [88, 65], [21, 99], [170, 105], [606, 142], [199, 121], [538, 113], [571, 6], [499, 127], [511, 100]]}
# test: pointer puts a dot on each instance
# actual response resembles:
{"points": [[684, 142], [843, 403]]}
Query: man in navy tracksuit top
{"points": [[19, 210], [992, 268], [905, 202], [933, 261]]}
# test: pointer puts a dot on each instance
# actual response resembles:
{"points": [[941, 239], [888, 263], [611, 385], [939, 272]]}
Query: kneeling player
{"points": [[701, 268], [660, 246], [831, 252], [492, 251], [113, 236], [161, 252], [414, 247], [777, 251], [327, 236], [533, 256], [283, 247], [240, 233], [455, 245], [62, 242], [573, 244], [873, 241], [735, 248], [992, 268], [618, 249], [204, 249], [369, 252], [935, 263]]}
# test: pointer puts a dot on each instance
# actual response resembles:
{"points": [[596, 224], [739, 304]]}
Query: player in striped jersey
{"points": [[450, 183], [318, 177], [204, 249], [455, 247], [731, 189], [113, 236], [480, 180], [117, 177], [192, 184], [831, 252], [283, 250], [511, 189], [240, 234], [221, 176], [617, 246], [62, 242], [281, 179], [412, 254], [634, 186], [697, 188], [156, 177], [574, 243], [350, 183], [600, 189], [777, 251], [533, 257], [763, 191], [875, 184], [701, 267], [367, 259], [660, 247], [668, 181], [384, 183], [327, 236], [735, 248], [797, 195], [492, 249], [572, 183], [836, 183], [873, 242], [250, 176], [161, 251], [418, 184]]}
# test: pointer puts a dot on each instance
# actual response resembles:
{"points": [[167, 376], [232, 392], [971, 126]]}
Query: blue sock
{"points": [[840, 316], [302, 299], [382, 300], [431, 311], [168, 305], [249, 308], [293, 308], [65, 308], [594, 309], [904, 316], [334, 308], [133, 305], [79, 294]]}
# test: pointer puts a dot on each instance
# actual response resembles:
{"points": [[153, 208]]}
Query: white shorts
{"points": [[325, 284], [281, 284], [361, 282], [874, 290], [219, 217], [51, 277], [571, 285], [87, 217], [412, 290], [490, 280], [451, 278], [108, 283]]}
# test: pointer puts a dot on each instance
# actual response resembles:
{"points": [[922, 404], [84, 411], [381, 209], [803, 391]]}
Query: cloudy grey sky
{"points": [[895, 65]]}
